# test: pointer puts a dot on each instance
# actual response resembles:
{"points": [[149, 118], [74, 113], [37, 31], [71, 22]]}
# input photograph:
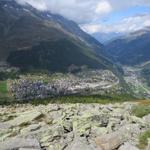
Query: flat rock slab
{"points": [[25, 118], [4, 126], [18, 143], [31, 128], [28, 149]]}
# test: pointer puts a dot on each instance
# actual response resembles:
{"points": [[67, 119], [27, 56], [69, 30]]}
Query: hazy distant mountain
{"points": [[131, 49], [106, 37], [31, 39]]}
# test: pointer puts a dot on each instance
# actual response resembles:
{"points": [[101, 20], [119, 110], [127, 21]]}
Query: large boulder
{"points": [[17, 143], [54, 133], [82, 125], [114, 140]]}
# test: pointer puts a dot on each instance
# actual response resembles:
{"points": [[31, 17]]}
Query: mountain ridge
{"points": [[23, 28], [134, 46]]}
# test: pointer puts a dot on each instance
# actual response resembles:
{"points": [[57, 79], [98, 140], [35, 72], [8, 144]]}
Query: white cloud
{"points": [[103, 7], [124, 4], [83, 11], [92, 28], [39, 4], [77, 10], [129, 24], [88, 12]]}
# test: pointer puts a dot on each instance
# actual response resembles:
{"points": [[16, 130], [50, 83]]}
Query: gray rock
{"points": [[97, 131], [147, 119], [118, 113], [148, 146], [141, 122], [57, 146], [28, 149], [6, 130], [52, 134], [128, 146], [31, 128], [80, 144], [17, 143], [68, 127], [4, 126], [82, 125]]}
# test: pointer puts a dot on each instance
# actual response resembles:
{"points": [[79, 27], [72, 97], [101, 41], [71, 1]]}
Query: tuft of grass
{"points": [[5, 97], [3, 87], [143, 139], [141, 110], [144, 102]]}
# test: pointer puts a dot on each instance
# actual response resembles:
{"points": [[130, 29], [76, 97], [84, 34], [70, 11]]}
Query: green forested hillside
{"points": [[56, 56]]}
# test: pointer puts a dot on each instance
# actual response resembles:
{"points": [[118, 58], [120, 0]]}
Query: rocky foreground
{"points": [[71, 127]]}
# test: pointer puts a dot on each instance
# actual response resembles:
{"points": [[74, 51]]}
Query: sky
{"points": [[120, 16]]}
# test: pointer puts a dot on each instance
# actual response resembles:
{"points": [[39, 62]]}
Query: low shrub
{"points": [[143, 139], [141, 110]]}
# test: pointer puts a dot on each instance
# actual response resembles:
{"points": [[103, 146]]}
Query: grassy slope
{"points": [[4, 96], [141, 110], [143, 139], [73, 99], [3, 87]]}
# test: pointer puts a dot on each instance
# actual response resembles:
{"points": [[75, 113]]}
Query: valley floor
{"points": [[121, 126]]}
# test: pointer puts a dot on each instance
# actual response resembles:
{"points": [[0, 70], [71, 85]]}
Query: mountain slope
{"points": [[51, 55], [73, 28], [31, 39], [132, 49]]}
